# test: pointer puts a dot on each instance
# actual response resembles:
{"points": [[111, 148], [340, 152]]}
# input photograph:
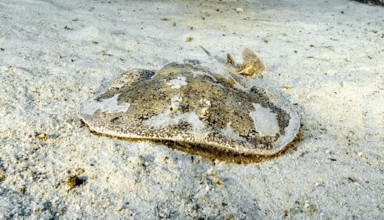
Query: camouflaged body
{"points": [[191, 104]]}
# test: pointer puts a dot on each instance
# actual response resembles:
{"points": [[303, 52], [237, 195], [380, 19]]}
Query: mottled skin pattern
{"points": [[206, 109]]}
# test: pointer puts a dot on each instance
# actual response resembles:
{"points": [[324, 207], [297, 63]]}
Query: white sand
{"points": [[56, 54]]}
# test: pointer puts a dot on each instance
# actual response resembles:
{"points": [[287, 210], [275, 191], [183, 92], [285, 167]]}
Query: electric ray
{"points": [[204, 109]]}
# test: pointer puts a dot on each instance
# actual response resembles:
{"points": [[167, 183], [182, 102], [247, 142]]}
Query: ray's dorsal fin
{"points": [[252, 65], [230, 60], [242, 74], [225, 73]]}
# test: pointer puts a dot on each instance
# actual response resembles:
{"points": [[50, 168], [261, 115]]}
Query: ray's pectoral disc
{"points": [[188, 103]]}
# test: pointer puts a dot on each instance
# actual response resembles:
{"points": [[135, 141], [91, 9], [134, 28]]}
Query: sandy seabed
{"points": [[324, 56]]}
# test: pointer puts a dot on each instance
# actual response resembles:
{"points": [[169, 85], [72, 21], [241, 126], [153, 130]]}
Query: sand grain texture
{"points": [[325, 56]]}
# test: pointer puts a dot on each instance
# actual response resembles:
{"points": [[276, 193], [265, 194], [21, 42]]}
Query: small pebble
{"points": [[239, 10]]}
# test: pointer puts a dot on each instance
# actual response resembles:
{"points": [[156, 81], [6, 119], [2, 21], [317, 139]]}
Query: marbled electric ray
{"points": [[197, 107]]}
